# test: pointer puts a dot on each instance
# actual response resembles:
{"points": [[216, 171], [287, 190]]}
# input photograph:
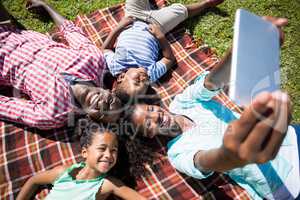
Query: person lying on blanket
{"points": [[86, 180], [60, 80], [135, 61], [257, 149]]}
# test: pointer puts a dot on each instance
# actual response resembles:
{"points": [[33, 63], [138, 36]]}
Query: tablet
{"points": [[255, 58]]}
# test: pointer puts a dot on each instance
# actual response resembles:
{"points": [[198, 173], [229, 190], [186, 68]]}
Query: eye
{"points": [[150, 108], [102, 149], [114, 151]]}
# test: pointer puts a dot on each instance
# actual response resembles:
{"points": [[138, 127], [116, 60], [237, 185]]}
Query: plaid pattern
{"points": [[33, 64], [24, 152]]}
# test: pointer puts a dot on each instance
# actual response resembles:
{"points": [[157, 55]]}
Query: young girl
{"points": [[88, 179]]}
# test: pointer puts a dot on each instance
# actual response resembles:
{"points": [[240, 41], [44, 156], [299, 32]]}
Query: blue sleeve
{"points": [[192, 95], [109, 59], [197, 91], [156, 71], [184, 162]]}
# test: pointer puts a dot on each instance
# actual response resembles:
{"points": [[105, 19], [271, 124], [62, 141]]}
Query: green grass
{"points": [[214, 27]]}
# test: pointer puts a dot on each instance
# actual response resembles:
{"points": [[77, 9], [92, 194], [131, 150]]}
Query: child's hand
{"points": [[156, 31], [126, 21]]}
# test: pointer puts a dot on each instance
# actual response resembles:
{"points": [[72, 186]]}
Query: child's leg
{"points": [[139, 9], [169, 17]]}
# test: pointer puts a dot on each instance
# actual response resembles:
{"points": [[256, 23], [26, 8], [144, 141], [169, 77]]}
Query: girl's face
{"points": [[102, 154]]}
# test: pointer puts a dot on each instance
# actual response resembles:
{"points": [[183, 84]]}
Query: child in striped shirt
{"points": [[136, 61]]}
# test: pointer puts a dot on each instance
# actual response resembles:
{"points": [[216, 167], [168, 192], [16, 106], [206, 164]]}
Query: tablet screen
{"points": [[255, 58]]}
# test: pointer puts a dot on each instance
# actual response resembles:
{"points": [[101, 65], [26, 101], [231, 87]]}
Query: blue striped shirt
{"points": [[136, 47]]}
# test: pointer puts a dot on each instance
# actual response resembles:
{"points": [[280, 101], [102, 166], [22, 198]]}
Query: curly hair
{"points": [[140, 152], [86, 129]]}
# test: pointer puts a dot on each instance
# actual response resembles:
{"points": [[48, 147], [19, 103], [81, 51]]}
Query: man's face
{"points": [[135, 80], [153, 120], [100, 104]]}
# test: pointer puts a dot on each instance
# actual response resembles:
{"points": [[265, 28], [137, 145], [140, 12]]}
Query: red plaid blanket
{"points": [[24, 151]]}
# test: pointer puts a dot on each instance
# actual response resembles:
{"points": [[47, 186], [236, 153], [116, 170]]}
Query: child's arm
{"points": [[168, 56], [32, 184], [111, 38], [116, 187]]}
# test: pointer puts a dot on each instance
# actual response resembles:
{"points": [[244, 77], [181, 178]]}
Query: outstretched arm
{"points": [[113, 35], [254, 138], [33, 114], [116, 187], [74, 35], [32, 184], [56, 17]]}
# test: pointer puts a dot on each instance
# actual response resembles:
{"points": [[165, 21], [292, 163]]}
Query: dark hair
{"points": [[86, 130], [139, 148], [121, 93]]}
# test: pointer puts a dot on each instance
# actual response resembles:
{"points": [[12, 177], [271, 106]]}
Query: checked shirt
{"points": [[33, 63]]}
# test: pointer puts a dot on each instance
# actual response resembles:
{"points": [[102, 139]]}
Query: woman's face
{"points": [[153, 120]]}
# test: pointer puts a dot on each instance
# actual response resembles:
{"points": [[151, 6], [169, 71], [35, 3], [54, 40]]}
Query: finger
{"points": [[281, 36], [282, 110], [258, 135], [251, 115], [280, 128], [272, 147], [277, 21]]}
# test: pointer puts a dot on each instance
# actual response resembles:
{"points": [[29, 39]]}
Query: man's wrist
{"points": [[232, 160]]}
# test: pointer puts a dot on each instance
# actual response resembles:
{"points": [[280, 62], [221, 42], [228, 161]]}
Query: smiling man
{"points": [[59, 80]]}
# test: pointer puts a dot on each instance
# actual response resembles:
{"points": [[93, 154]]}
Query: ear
{"points": [[84, 152], [121, 77]]}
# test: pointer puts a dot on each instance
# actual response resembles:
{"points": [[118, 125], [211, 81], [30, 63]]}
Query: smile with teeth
{"points": [[106, 163], [164, 121], [94, 98]]}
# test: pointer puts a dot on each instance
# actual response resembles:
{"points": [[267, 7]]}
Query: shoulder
{"points": [[109, 186], [60, 169], [113, 182]]}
